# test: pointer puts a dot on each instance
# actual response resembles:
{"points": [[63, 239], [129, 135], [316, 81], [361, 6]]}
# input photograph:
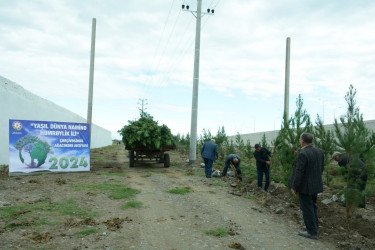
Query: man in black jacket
{"points": [[308, 182], [261, 155]]}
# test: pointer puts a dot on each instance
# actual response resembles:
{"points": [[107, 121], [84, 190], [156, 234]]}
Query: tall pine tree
{"points": [[288, 139], [351, 137]]}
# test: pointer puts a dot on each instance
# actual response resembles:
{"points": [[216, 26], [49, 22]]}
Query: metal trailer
{"points": [[139, 154]]}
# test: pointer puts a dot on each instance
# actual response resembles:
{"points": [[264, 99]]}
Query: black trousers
{"points": [[310, 212]]}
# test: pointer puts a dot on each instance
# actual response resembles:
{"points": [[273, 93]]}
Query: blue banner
{"points": [[48, 146]]}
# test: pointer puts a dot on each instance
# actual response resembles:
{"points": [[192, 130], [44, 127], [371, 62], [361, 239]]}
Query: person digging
{"points": [[234, 160]]}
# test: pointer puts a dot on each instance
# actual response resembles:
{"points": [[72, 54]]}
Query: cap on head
{"points": [[235, 160], [257, 146]]}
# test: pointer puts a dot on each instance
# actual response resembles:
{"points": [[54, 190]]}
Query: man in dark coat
{"points": [[235, 160], [209, 154], [263, 162], [308, 182], [358, 175]]}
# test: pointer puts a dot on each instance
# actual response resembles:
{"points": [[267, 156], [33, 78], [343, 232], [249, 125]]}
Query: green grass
{"points": [[133, 204], [147, 175], [249, 171], [250, 197], [181, 191], [200, 174], [189, 173], [113, 190], [45, 221], [218, 232], [97, 157], [25, 215], [220, 163], [86, 232], [220, 184], [115, 174], [158, 171], [106, 156], [107, 149], [4, 169], [177, 164]]}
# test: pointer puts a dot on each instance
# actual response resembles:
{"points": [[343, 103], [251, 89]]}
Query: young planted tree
{"points": [[239, 145], [248, 152], [221, 139], [289, 139], [264, 142], [182, 143], [300, 123], [325, 140], [228, 148], [204, 137], [351, 137], [370, 143]]}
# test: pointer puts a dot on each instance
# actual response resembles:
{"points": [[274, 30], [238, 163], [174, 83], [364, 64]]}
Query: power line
{"points": [[168, 40], [152, 67], [217, 4], [175, 60], [163, 52], [165, 25], [178, 57], [179, 60]]}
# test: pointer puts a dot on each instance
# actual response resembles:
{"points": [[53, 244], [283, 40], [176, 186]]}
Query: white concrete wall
{"points": [[18, 103], [271, 135], [257, 137]]}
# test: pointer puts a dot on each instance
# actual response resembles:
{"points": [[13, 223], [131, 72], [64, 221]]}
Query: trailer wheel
{"points": [[166, 160], [131, 158]]}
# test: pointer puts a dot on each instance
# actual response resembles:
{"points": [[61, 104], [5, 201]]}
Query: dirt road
{"points": [[172, 221], [166, 220]]}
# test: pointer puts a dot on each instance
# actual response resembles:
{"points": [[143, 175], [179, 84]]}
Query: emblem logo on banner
{"points": [[17, 125]]}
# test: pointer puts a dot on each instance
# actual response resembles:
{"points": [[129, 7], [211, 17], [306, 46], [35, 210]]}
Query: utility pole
{"points": [[194, 107], [287, 72], [91, 77], [143, 104]]}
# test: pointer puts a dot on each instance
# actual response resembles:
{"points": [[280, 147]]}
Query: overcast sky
{"points": [[145, 50]]}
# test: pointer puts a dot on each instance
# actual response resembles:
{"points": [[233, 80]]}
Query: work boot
{"points": [[307, 235]]}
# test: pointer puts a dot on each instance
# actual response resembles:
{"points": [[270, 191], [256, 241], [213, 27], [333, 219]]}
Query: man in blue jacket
{"points": [[263, 162], [209, 154], [235, 160]]}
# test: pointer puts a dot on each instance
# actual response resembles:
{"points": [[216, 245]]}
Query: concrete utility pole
{"points": [[287, 72], [91, 78], [194, 107]]}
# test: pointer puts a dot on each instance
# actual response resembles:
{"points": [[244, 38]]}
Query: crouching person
{"points": [[235, 160]]}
